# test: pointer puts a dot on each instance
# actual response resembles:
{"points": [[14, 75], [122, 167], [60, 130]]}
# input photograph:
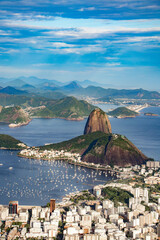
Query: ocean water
{"points": [[40, 131], [34, 182]]}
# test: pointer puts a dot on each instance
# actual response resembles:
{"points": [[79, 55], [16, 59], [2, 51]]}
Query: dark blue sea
{"points": [[34, 182]]}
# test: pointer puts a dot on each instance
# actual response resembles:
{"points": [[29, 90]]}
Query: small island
{"points": [[122, 112], [151, 114]]}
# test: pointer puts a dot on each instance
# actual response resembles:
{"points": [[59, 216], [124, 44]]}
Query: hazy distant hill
{"points": [[28, 87], [12, 91], [71, 87], [87, 83], [40, 81], [16, 83], [84, 88], [129, 93], [53, 95], [103, 94]]}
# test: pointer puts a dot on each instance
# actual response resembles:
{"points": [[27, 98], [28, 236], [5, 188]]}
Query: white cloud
{"points": [[111, 58], [78, 49], [89, 33], [8, 51], [113, 64], [84, 26], [86, 9], [4, 33], [138, 39], [154, 7], [62, 45]]}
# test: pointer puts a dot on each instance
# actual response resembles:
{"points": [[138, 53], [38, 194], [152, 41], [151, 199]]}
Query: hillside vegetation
{"points": [[122, 112], [24, 101], [102, 148], [13, 115], [116, 195], [9, 142], [68, 107]]}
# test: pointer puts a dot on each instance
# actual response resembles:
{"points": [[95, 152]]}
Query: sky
{"points": [[115, 42]]}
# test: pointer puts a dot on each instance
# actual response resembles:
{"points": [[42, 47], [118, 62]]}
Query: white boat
{"points": [[10, 168]]}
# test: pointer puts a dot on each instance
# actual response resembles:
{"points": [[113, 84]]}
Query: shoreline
{"points": [[14, 125], [10, 149], [138, 108], [121, 117], [82, 164]]}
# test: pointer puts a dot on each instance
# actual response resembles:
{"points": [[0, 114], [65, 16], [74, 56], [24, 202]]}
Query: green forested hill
{"points": [[122, 112], [9, 142], [25, 101], [68, 107], [13, 115], [102, 148]]}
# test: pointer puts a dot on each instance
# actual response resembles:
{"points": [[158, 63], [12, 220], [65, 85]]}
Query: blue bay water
{"points": [[34, 182]]}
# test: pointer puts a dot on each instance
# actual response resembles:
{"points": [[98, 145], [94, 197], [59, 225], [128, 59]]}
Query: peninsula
{"points": [[14, 116], [97, 146], [68, 108], [8, 142]]}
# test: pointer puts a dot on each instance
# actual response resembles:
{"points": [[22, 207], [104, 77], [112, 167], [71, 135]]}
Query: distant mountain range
{"points": [[55, 90], [38, 82]]}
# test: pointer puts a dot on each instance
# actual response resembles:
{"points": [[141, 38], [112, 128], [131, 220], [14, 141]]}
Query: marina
{"points": [[36, 181]]}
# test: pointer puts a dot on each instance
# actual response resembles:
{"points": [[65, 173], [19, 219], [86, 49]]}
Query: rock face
{"points": [[113, 149], [102, 148], [98, 145], [97, 121]]}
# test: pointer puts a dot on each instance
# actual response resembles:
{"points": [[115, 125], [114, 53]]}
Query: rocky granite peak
{"points": [[98, 121]]}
